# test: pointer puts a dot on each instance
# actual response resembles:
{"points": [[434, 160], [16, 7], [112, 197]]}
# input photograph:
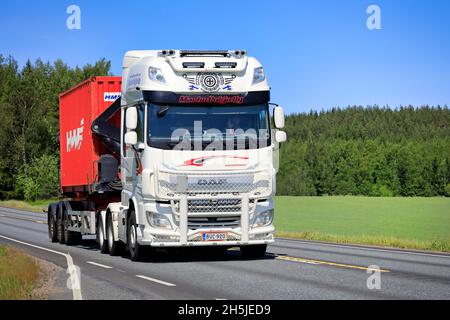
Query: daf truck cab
{"points": [[198, 154]]}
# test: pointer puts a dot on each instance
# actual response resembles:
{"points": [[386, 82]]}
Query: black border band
{"points": [[169, 97]]}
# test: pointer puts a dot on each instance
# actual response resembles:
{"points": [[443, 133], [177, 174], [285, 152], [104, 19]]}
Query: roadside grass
{"points": [[379, 241], [36, 206], [19, 274], [409, 223]]}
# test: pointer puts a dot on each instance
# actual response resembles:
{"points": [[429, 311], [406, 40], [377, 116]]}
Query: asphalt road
{"points": [[291, 270]]}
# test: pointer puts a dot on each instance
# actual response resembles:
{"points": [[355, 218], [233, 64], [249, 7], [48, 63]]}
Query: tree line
{"points": [[369, 151], [29, 117]]}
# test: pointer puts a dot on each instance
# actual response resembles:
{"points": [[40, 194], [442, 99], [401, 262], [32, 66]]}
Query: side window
{"points": [[140, 123]]}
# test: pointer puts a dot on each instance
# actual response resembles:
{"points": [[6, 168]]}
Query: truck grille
{"points": [[220, 207], [213, 222], [213, 205], [172, 185]]}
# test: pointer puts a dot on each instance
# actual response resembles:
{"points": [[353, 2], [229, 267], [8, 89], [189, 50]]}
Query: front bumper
{"points": [[262, 235], [183, 235]]}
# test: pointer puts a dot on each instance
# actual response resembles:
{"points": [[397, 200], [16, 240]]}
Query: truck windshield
{"points": [[211, 127]]}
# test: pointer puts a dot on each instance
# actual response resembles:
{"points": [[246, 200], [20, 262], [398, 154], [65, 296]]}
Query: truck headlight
{"points": [[262, 219], [156, 75], [157, 220], [258, 75]]}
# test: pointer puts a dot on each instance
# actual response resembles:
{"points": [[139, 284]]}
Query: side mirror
{"points": [[280, 136], [131, 118], [131, 138], [278, 117]]}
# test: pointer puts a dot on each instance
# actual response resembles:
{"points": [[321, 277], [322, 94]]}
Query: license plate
{"points": [[216, 236]]}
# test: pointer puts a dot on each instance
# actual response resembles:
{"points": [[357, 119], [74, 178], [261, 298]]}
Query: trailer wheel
{"points": [[254, 251], [103, 246], [71, 237], [52, 234], [59, 225], [136, 250], [115, 248]]}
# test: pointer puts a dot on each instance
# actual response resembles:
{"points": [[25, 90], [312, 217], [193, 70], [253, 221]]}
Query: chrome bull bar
{"points": [[244, 220], [184, 188]]}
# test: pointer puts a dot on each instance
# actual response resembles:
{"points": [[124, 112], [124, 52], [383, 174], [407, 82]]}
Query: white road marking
{"points": [[220, 299], [99, 265], [364, 248], [76, 291], [156, 280]]}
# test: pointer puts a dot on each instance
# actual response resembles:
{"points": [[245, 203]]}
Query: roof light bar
{"points": [[193, 65], [226, 65], [185, 53]]}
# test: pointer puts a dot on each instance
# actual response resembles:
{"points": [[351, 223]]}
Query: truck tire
{"points": [[59, 225], [52, 234], [71, 237], [254, 251], [136, 250], [115, 248], [103, 245]]}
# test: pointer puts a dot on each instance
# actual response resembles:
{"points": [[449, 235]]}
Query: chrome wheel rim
{"points": [[133, 236], [100, 235], [110, 237]]}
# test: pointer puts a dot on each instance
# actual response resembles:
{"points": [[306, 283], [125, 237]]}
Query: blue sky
{"points": [[317, 53]]}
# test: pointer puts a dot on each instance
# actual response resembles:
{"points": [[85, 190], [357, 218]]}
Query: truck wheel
{"points": [[52, 234], [114, 247], [136, 250], [60, 226], [103, 246], [254, 251], [71, 237]]}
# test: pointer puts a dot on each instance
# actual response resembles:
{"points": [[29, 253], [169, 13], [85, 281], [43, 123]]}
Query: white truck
{"points": [[194, 163]]}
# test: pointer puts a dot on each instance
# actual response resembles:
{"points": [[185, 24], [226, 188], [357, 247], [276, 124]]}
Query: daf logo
{"points": [[212, 182]]}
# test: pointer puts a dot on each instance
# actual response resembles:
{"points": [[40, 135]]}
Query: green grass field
{"points": [[36, 206], [418, 223]]}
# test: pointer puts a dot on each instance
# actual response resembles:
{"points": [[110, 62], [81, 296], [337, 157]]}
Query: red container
{"points": [[80, 149]]}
